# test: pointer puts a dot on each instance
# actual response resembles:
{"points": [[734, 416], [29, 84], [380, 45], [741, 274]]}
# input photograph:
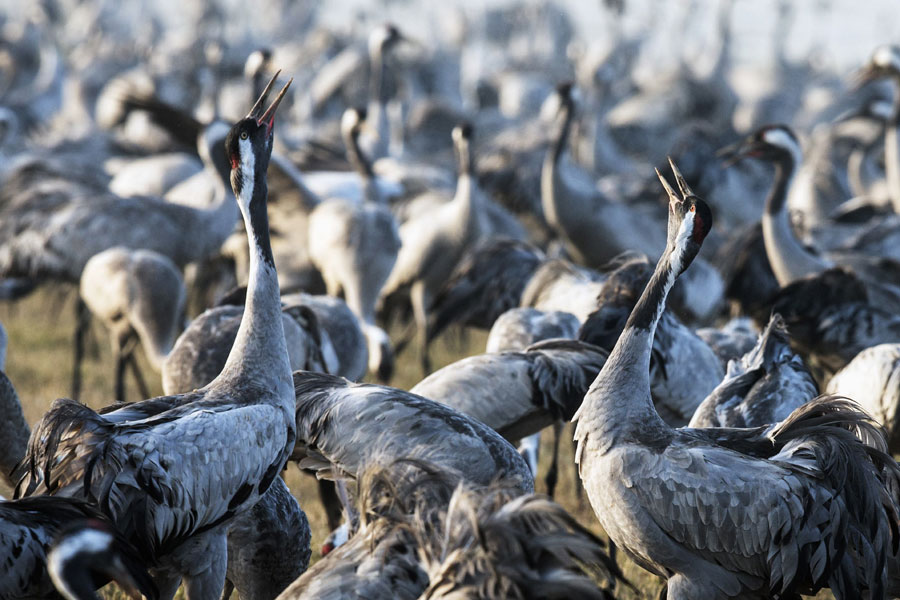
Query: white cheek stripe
{"points": [[248, 169]]}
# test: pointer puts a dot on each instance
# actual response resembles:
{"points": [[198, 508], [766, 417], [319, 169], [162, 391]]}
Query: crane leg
{"points": [[552, 475], [331, 503], [138, 377], [419, 300], [82, 322], [226, 592], [121, 362]]}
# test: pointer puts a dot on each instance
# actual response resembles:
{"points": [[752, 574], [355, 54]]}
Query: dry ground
{"points": [[39, 363]]}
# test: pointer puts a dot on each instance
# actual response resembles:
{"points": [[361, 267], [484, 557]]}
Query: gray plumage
{"points": [[28, 528], [343, 329], [355, 245], [518, 393], [593, 228], [871, 378], [4, 343], [486, 283], [201, 350], [492, 544], [683, 368], [51, 225], [433, 244], [559, 285], [425, 534], [379, 561], [397, 424], [722, 513], [14, 432], [268, 546], [832, 318], [520, 327], [765, 386], [171, 483], [732, 341], [136, 292], [138, 295]]}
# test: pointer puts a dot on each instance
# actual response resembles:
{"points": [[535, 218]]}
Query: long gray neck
{"points": [[259, 354], [559, 206], [789, 259], [892, 151], [14, 431], [362, 166], [618, 403]]}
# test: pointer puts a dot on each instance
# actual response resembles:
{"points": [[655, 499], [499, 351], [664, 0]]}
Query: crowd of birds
{"points": [[271, 224]]}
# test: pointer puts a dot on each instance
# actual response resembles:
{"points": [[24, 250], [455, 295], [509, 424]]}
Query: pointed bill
{"points": [[679, 178], [257, 108], [673, 197], [268, 117]]}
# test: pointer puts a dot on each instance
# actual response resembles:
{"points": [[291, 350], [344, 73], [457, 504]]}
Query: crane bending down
{"points": [[355, 245], [49, 542], [725, 513], [171, 483], [425, 534], [140, 296]]}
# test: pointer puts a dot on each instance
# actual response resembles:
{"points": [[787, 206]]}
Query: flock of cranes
{"points": [[264, 276]]}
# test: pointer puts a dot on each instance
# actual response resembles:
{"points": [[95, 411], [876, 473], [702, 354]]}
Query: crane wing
{"points": [[164, 478], [777, 519]]}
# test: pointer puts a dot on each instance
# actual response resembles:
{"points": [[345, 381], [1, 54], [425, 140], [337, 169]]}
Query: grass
{"points": [[39, 363]]}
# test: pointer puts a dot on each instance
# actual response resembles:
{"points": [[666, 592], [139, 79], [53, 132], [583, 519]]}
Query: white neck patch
{"points": [[886, 57], [782, 139], [248, 171], [685, 233], [89, 541]]}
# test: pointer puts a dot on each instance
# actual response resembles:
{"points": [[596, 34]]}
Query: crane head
{"points": [[884, 62], [90, 552], [690, 220], [772, 143], [248, 144]]}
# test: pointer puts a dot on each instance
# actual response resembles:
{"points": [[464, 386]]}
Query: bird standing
{"points": [[172, 483], [725, 513]]}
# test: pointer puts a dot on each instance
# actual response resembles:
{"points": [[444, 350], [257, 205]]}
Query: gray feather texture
{"points": [[14, 431], [872, 378], [761, 388], [399, 424], [518, 393]]}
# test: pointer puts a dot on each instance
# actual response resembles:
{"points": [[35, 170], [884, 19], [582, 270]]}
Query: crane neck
{"points": [[356, 156], [618, 404], [14, 432], [789, 259], [562, 139], [72, 578], [377, 77], [259, 355]]}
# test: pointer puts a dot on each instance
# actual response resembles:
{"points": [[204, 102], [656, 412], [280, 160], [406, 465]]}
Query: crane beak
{"points": [[734, 153], [268, 117]]}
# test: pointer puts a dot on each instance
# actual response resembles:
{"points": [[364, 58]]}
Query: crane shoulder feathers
{"points": [[148, 473]]}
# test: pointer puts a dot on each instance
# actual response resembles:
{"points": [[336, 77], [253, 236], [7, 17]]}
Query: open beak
{"points": [[268, 117], [734, 153]]}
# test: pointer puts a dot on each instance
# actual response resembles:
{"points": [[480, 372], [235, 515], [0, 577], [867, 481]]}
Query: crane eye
{"points": [[244, 135], [693, 208]]}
